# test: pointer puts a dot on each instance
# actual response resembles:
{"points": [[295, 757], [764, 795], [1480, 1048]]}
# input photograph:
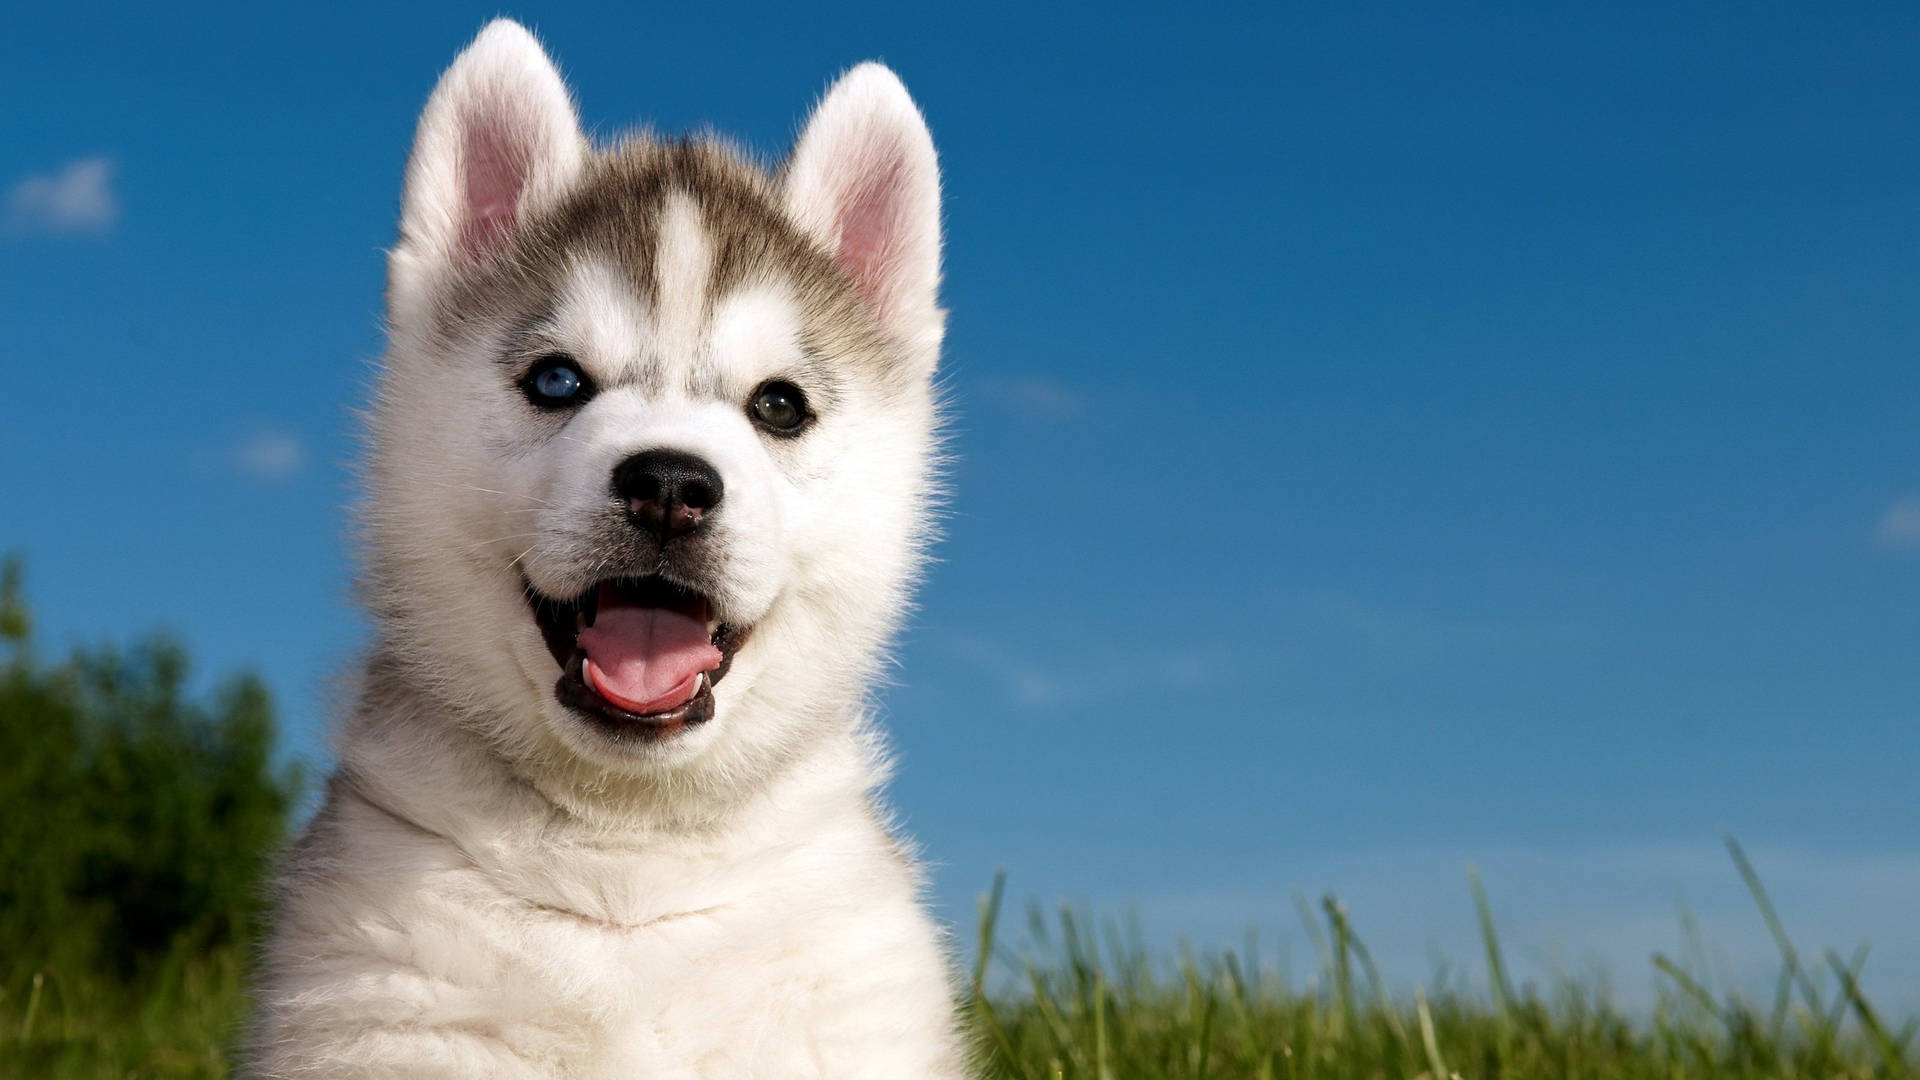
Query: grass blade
{"points": [[1689, 985], [1503, 996], [1891, 1055], [989, 919], [1788, 954], [1428, 1038]]}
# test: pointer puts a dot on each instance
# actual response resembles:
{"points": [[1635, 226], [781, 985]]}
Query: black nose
{"points": [[668, 492]]}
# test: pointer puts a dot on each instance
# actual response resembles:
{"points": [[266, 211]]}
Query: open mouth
{"points": [[638, 656]]}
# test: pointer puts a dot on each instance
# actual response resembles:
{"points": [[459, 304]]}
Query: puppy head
{"points": [[650, 450]]}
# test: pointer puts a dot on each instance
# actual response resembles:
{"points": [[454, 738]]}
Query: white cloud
{"points": [[1051, 679], [1900, 524], [1411, 636], [78, 198], [1034, 397], [1024, 682], [271, 455]]}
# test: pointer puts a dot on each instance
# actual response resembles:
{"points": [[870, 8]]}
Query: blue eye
{"points": [[555, 383], [558, 383]]}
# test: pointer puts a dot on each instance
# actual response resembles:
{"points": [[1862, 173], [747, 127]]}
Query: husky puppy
{"points": [[648, 482]]}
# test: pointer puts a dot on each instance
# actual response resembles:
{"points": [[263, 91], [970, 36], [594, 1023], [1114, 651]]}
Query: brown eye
{"points": [[779, 407]]}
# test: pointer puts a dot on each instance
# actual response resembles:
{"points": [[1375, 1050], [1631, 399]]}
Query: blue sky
{"points": [[1386, 440]]}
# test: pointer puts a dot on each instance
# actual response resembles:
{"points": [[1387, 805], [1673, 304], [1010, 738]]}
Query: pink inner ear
{"points": [[495, 164], [870, 231]]}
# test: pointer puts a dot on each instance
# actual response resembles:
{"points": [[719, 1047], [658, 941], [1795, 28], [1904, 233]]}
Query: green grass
{"points": [[72, 1026], [138, 822], [1076, 1003], [1096, 1007]]}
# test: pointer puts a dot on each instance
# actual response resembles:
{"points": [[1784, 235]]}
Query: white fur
{"points": [[864, 179], [503, 95], [685, 261], [493, 889]]}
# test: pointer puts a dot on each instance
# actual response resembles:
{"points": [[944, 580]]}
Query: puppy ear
{"points": [[498, 137], [864, 181]]}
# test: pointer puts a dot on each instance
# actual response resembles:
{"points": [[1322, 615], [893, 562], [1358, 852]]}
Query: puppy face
{"points": [[650, 449]]}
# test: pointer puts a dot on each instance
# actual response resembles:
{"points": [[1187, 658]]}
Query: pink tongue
{"points": [[644, 659]]}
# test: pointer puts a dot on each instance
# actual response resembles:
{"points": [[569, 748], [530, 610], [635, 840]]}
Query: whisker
{"points": [[490, 491], [473, 546]]}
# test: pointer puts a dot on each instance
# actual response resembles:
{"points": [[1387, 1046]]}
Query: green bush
{"points": [[137, 826]]}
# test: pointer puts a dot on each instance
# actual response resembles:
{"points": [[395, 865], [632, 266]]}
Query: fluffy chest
{"points": [[593, 963], [727, 990]]}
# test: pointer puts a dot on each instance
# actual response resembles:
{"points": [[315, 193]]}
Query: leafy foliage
{"points": [[136, 824]]}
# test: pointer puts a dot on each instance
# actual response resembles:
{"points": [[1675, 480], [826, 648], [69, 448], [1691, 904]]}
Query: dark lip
{"points": [[557, 620]]}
